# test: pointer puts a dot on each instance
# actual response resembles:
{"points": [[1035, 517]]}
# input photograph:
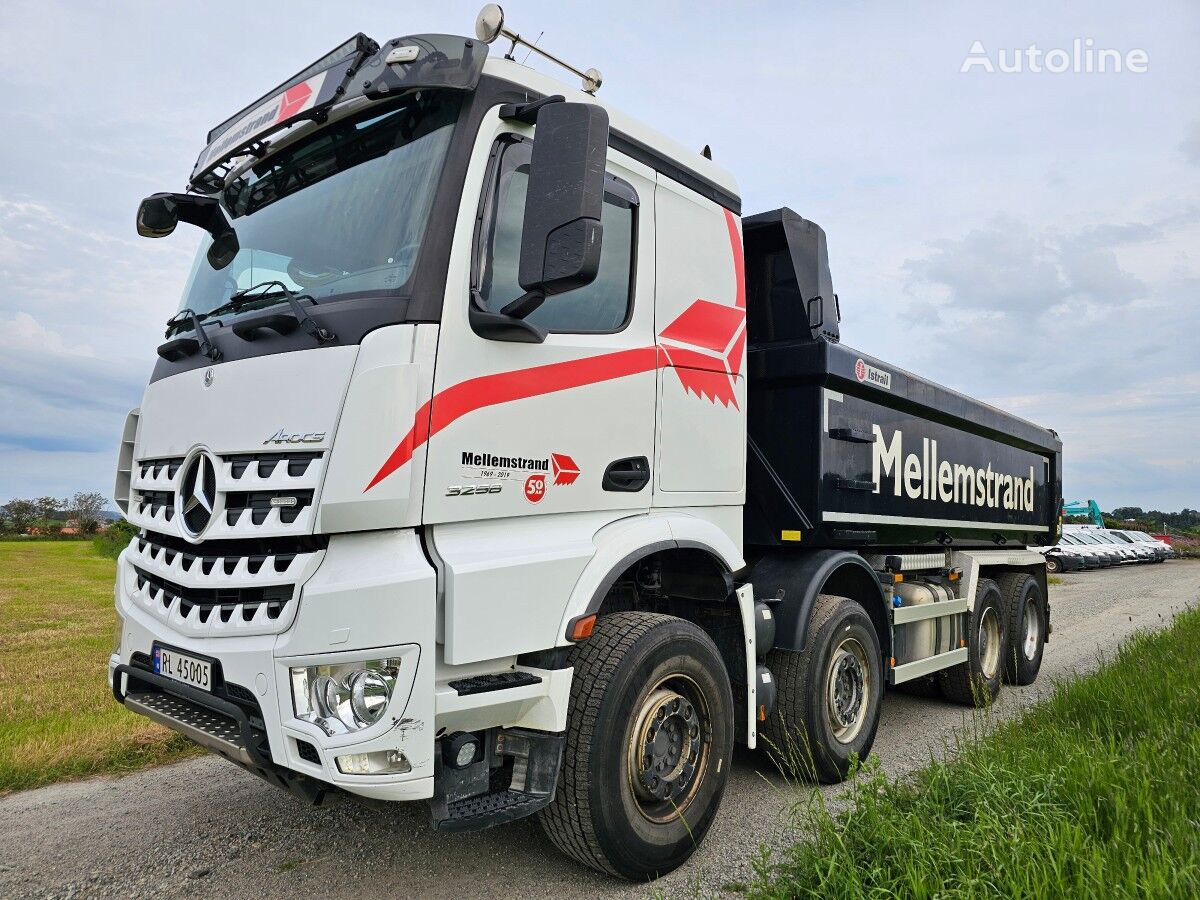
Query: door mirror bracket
{"points": [[158, 215]]}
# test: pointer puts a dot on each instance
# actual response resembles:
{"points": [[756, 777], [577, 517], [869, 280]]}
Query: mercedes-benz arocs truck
{"points": [[495, 460]]}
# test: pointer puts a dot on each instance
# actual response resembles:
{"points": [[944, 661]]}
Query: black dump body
{"points": [[847, 451]]}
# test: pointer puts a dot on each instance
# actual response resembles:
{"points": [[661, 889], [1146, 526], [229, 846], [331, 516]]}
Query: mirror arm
{"points": [[524, 305], [500, 327], [527, 112]]}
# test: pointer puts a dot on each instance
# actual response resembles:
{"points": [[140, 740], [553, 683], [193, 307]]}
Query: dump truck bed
{"points": [[845, 450]]}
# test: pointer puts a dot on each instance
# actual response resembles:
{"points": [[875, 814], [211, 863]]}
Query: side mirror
{"points": [[158, 215], [562, 235]]}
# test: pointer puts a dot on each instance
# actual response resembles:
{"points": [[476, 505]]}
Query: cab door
{"points": [[534, 447]]}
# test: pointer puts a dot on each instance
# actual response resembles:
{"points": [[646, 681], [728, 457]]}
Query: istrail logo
{"points": [[924, 477], [492, 461]]}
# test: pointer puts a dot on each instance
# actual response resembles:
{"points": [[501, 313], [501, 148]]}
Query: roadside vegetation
{"points": [[57, 717], [1093, 794]]}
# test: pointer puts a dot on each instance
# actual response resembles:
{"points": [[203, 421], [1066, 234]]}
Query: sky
{"points": [[1031, 238]]}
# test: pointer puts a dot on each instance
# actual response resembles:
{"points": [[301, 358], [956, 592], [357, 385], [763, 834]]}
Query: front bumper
{"points": [[373, 595], [1070, 563]]}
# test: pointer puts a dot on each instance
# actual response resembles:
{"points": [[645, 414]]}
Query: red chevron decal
{"points": [[566, 470]]}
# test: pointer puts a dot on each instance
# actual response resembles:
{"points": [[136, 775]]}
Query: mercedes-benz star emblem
{"points": [[208, 378], [198, 493]]}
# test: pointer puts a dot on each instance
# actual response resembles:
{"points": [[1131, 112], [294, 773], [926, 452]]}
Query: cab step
{"points": [[486, 810], [500, 681]]}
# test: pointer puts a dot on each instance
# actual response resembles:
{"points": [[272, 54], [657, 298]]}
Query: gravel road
{"points": [[204, 828]]}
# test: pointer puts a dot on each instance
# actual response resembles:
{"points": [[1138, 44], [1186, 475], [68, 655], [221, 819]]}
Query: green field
{"points": [[57, 716], [1094, 794]]}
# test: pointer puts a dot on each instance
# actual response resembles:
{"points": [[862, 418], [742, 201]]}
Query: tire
{"points": [[1053, 566], [976, 682], [1025, 610], [640, 679], [807, 735]]}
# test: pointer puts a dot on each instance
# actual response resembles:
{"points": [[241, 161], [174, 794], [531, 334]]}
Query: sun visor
{"points": [[357, 67]]}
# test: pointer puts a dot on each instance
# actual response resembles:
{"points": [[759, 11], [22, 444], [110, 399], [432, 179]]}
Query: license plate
{"points": [[181, 667]]}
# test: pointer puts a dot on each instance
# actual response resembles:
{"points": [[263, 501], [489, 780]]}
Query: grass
{"points": [[57, 717], [1094, 794]]}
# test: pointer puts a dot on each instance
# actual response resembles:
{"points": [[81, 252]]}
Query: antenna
{"points": [[490, 25]]}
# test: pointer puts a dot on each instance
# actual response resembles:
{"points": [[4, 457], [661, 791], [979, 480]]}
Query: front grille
{"points": [[260, 494], [225, 601], [308, 752], [233, 587]]}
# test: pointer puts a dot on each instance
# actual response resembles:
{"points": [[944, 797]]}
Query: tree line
{"points": [[50, 514], [1186, 520]]}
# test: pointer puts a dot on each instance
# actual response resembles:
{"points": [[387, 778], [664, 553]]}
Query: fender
{"points": [[794, 579], [624, 542]]}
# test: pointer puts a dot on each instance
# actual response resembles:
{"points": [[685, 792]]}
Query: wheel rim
{"points": [[989, 642], [1033, 630], [848, 689], [668, 748]]}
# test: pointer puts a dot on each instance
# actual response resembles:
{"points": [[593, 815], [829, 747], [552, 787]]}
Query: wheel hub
{"points": [[1032, 630], [848, 689], [666, 747], [989, 643]]}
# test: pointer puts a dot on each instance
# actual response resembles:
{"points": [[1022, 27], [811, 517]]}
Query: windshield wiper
{"points": [[239, 300], [182, 347], [247, 329]]}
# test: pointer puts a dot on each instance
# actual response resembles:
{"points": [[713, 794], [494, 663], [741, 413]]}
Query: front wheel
{"points": [[830, 695], [649, 744], [1053, 566]]}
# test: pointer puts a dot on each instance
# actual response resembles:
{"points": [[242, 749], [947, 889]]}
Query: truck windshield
{"points": [[342, 212]]}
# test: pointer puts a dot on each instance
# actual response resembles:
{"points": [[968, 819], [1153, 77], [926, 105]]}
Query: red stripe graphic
{"points": [[739, 260], [705, 325], [489, 390]]}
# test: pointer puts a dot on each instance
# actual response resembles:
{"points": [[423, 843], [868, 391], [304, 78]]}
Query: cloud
{"points": [[1053, 326], [1191, 144]]}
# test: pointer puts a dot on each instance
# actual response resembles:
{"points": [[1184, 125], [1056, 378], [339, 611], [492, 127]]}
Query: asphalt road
{"points": [[204, 828]]}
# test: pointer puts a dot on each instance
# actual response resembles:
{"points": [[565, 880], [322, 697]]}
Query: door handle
{"points": [[627, 475]]}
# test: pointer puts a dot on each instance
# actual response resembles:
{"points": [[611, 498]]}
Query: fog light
{"points": [[460, 749], [378, 762]]}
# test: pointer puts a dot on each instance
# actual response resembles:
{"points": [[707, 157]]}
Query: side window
{"points": [[602, 306]]}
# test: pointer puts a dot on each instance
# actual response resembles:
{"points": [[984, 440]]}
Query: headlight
{"points": [[346, 697]]}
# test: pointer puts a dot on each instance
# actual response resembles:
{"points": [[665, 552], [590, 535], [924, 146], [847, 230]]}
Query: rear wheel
{"points": [[830, 694], [977, 681], [649, 741], [1026, 613], [1053, 566]]}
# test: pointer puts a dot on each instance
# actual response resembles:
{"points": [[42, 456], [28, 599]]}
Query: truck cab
{"points": [[443, 477]]}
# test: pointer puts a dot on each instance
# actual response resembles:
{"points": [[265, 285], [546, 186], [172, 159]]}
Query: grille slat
{"points": [[244, 586]]}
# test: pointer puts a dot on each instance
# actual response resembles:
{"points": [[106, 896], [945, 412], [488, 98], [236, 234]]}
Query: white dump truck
{"points": [[493, 459]]}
